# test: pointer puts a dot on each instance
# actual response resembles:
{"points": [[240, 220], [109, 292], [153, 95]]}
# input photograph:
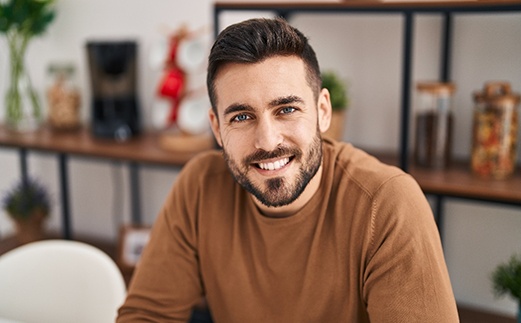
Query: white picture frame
{"points": [[132, 242]]}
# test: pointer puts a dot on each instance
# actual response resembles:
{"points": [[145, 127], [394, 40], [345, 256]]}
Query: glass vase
{"points": [[22, 103]]}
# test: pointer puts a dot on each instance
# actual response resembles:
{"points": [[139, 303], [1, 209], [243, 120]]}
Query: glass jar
{"points": [[495, 127], [63, 97], [434, 122]]}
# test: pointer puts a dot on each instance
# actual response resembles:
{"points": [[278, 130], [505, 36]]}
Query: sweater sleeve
{"points": [[166, 284], [405, 277]]}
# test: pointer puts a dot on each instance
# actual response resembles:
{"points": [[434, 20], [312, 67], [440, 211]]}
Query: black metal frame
{"points": [[134, 168]]}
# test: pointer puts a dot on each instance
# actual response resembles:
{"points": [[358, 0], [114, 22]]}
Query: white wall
{"points": [[365, 49]]}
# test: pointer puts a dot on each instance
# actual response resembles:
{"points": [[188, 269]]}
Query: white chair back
{"points": [[59, 281]]}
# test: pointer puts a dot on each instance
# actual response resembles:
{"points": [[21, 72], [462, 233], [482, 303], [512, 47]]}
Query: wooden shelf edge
{"points": [[459, 181], [144, 148]]}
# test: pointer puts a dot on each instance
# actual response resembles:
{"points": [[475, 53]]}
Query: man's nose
{"points": [[268, 135]]}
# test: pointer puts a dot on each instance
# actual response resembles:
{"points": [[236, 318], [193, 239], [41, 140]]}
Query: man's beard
{"points": [[279, 191]]}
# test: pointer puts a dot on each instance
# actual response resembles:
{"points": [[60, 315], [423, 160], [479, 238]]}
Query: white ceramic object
{"points": [[193, 115]]}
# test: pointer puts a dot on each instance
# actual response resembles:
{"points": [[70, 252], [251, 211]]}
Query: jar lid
{"points": [[497, 93], [436, 87], [61, 68]]}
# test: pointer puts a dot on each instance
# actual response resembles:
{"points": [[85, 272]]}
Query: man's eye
{"points": [[287, 110], [240, 118]]}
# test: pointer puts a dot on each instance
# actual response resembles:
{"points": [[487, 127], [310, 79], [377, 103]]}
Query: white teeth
{"points": [[276, 165]]}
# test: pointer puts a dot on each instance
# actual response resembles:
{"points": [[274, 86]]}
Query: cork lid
{"points": [[498, 93], [61, 68], [436, 87]]}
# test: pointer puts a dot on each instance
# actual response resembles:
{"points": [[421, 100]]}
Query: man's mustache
{"points": [[280, 151]]}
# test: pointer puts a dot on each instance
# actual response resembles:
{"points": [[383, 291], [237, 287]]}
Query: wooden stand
{"points": [[177, 141]]}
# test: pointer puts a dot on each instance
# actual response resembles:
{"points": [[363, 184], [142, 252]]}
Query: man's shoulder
{"points": [[206, 159], [205, 164], [362, 169], [206, 169]]}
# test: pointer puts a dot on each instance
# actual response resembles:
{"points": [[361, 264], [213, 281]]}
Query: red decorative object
{"points": [[172, 84]]}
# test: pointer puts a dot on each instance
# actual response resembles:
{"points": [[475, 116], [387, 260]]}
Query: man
{"points": [[282, 225]]}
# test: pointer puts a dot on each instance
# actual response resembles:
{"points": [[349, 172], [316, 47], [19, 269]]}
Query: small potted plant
{"points": [[506, 280], [339, 102], [28, 204]]}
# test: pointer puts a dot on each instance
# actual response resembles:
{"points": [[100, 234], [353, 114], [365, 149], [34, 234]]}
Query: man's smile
{"points": [[274, 165]]}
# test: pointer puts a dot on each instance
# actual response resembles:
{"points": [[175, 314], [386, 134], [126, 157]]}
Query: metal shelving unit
{"points": [[456, 182]]}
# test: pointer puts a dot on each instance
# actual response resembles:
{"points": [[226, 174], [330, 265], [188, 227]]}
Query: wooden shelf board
{"points": [[143, 148], [459, 181]]}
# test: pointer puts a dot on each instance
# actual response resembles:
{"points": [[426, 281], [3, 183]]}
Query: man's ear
{"points": [[214, 123], [324, 110]]}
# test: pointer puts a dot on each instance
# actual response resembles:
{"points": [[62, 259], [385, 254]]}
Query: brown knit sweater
{"points": [[365, 248]]}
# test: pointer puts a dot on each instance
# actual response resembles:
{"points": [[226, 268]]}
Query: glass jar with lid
{"points": [[63, 97], [434, 122], [494, 137]]}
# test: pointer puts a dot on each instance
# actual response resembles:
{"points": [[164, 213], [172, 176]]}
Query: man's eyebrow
{"points": [[286, 100], [237, 107]]}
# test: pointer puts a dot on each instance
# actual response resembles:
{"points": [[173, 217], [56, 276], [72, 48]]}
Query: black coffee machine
{"points": [[113, 76]]}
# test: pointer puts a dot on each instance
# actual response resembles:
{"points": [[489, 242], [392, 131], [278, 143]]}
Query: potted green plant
{"points": [[20, 21], [506, 280], [339, 102], [28, 204]]}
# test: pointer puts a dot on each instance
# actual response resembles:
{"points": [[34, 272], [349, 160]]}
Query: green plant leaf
{"points": [[26, 17], [337, 90], [506, 278], [39, 25], [4, 21], [25, 198]]}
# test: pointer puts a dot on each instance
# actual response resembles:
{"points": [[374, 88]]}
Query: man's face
{"points": [[269, 127]]}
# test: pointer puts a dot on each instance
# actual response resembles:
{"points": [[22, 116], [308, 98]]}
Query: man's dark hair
{"points": [[255, 40]]}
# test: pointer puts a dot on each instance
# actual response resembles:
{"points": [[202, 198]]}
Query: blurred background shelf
{"points": [[143, 149]]}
